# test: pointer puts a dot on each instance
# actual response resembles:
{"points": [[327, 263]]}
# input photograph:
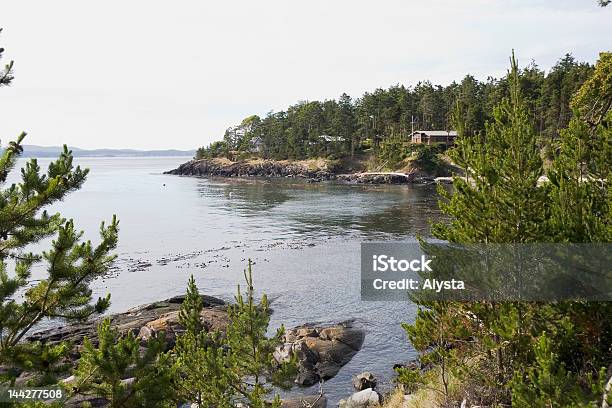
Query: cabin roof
{"points": [[436, 132], [329, 138]]}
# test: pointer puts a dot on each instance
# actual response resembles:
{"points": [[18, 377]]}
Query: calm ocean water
{"points": [[303, 238]]}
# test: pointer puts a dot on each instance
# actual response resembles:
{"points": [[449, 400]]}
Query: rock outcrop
{"points": [[321, 351], [289, 169], [314, 401], [377, 178], [143, 320], [258, 168]]}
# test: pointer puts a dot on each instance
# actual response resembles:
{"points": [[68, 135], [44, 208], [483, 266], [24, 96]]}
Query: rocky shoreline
{"points": [[288, 169], [321, 350]]}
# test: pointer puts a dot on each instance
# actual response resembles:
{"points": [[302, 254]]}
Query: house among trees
{"points": [[256, 145], [434, 136], [331, 139]]}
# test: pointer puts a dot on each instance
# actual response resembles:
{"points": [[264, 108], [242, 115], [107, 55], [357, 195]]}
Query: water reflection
{"points": [[244, 196], [303, 210]]}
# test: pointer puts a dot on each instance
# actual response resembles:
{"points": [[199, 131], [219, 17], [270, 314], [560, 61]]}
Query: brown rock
{"points": [[168, 323], [314, 401], [133, 320], [321, 351], [306, 332]]}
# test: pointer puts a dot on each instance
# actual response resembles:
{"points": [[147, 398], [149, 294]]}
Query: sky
{"points": [[151, 74]]}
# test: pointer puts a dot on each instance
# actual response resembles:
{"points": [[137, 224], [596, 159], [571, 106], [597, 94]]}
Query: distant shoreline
{"points": [[34, 151]]}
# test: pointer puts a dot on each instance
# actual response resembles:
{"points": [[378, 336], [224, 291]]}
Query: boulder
{"points": [[363, 399], [168, 323], [321, 351], [364, 381], [313, 401]]}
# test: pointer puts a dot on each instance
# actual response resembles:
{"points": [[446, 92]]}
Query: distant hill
{"points": [[54, 151]]}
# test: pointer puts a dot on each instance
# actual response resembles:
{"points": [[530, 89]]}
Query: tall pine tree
{"points": [[63, 292], [222, 369]]}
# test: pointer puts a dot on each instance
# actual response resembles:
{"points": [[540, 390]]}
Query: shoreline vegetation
{"points": [[199, 351], [371, 139], [318, 351], [314, 170]]}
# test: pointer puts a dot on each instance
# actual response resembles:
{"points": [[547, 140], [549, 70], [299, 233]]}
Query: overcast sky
{"points": [[175, 74]]}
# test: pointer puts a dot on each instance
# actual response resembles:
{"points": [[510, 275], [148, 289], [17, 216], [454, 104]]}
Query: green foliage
{"points": [[547, 383], [119, 371], [45, 362], [384, 116], [215, 149], [435, 332], [221, 369], [552, 109], [499, 200], [410, 378], [71, 263], [428, 159], [365, 144], [6, 74], [189, 315], [527, 354], [391, 152], [581, 205], [594, 99], [198, 357]]}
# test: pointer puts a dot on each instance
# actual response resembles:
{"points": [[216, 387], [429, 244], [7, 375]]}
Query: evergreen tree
{"points": [[499, 200], [6, 75], [388, 115], [198, 357], [343, 121], [504, 351], [222, 369], [123, 374], [71, 264], [556, 91], [547, 383]]}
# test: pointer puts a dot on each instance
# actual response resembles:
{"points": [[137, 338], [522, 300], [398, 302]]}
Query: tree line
{"points": [[386, 114], [525, 354]]}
